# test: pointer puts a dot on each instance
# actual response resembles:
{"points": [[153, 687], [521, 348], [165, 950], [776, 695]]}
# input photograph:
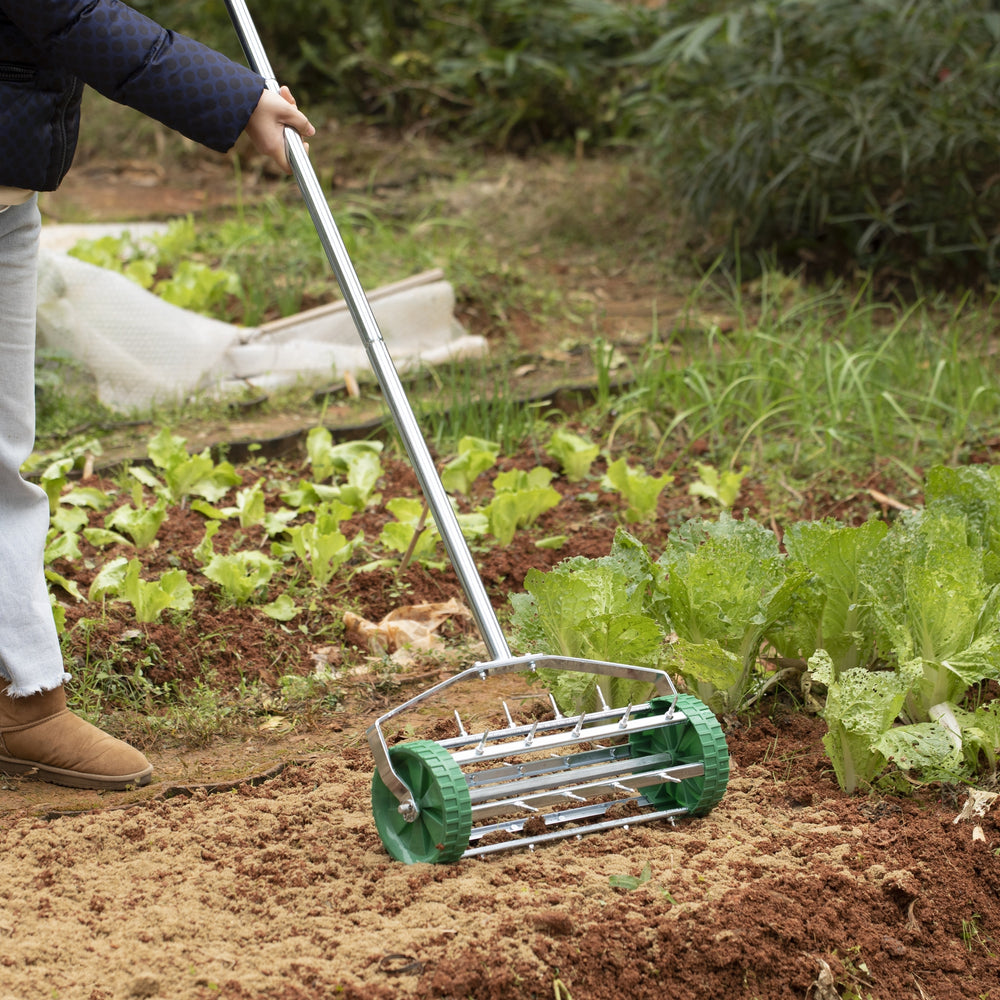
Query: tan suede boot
{"points": [[41, 738]]}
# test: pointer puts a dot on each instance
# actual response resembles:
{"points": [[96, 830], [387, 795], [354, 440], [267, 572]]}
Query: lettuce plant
{"points": [[149, 598], [520, 498], [320, 545], [185, 475], [357, 462], [727, 588], [722, 487], [934, 607], [241, 575], [833, 610], [475, 456], [140, 523], [638, 487], [861, 706], [587, 608], [972, 492], [575, 454]]}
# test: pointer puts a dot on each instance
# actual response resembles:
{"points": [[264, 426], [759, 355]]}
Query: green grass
{"points": [[780, 373], [818, 378]]}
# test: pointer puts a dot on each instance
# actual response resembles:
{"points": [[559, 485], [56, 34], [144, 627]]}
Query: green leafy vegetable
{"points": [[475, 456], [282, 608], [641, 490], [150, 598], [861, 706], [196, 286], [588, 609], [834, 610], [141, 525], [321, 546], [722, 487], [934, 607], [241, 575], [574, 453], [185, 475], [357, 461], [727, 589], [54, 478], [520, 498]]}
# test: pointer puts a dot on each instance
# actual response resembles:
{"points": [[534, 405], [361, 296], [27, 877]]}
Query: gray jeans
{"points": [[30, 657]]}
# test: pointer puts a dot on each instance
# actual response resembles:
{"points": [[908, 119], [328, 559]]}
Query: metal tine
{"points": [[529, 739], [600, 695], [506, 711], [553, 763], [570, 815], [555, 707], [623, 724], [461, 728], [551, 739], [495, 801], [547, 725]]}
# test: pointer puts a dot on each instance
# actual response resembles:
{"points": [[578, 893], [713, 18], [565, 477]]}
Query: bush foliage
{"points": [[862, 129], [506, 72], [858, 131]]}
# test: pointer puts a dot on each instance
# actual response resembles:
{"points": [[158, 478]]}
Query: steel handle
{"points": [[378, 354]]}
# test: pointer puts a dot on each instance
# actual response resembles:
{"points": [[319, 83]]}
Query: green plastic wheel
{"points": [[700, 738], [441, 831]]}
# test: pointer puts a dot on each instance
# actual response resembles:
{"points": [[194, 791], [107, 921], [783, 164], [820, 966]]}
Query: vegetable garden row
{"points": [[890, 630]]}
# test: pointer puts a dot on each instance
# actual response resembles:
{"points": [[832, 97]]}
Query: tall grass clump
{"points": [[813, 380], [858, 131]]}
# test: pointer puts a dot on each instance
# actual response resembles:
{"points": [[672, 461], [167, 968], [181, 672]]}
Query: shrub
{"points": [[502, 71], [847, 129]]}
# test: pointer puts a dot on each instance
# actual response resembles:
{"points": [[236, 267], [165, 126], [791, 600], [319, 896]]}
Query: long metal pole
{"points": [[378, 354]]}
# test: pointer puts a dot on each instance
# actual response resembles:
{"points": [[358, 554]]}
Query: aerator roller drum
{"points": [[521, 784]]}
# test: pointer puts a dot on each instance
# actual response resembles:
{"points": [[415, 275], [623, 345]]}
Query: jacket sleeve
{"points": [[133, 60]]}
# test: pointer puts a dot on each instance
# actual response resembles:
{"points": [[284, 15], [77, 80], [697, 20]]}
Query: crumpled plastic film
{"points": [[141, 350], [138, 348]]}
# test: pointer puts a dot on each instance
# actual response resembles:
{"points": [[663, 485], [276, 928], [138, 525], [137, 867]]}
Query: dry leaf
{"points": [[272, 722], [977, 804], [407, 628], [825, 987]]}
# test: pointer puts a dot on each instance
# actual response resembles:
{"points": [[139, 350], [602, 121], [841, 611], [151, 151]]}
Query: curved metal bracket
{"points": [[380, 749]]}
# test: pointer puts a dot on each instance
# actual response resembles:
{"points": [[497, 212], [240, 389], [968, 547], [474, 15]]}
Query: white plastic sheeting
{"points": [[140, 349]]}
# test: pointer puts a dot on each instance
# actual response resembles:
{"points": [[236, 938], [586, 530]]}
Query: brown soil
{"points": [[283, 890], [251, 867]]}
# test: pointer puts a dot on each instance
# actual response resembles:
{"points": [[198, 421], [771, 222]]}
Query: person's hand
{"points": [[268, 122]]}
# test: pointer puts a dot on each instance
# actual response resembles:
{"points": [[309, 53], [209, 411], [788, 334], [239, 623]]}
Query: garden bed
{"points": [[251, 867]]}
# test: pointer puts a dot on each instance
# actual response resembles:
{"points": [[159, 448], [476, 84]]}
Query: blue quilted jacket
{"points": [[50, 48]]}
